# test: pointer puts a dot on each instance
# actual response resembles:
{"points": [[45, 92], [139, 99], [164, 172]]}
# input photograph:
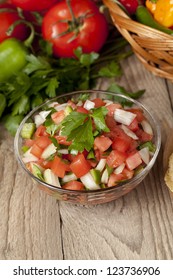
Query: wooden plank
{"points": [[139, 225], [30, 226]]}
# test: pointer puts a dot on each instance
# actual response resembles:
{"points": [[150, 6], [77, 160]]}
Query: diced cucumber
{"points": [[28, 130], [109, 169], [51, 178], [91, 155], [96, 174], [25, 149], [68, 110]]}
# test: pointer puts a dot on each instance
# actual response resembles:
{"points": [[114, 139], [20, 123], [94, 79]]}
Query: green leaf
{"points": [[82, 137], [2, 104], [22, 106], [52, 86], [111, 70], [54, 141], [71, 122], [88, 59], [12, 123], [35, 63], [36, 101], [78, 52], [98, 116]]}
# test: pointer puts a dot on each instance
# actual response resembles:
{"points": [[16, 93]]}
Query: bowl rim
{"points": [[101, 190]]}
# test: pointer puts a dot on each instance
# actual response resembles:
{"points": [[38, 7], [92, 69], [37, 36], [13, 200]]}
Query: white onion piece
{"points": [[119, 169], [69, 177], [88, 105], [50, 150], [38, 120], [63, 151], [89, 182], [123, 116], [61, 106], [147, 127], [105, 177], [129, 132], [101, 165], [51, 178], [44, 114], [145, 155], [29, 157]]}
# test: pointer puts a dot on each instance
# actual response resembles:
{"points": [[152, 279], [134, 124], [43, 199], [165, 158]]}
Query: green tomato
{"points": [[12, 58]]}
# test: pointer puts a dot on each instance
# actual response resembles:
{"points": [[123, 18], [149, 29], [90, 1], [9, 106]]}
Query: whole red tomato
{"points": [[7, 18], [34, 5], [82, 25], [131, 5]]}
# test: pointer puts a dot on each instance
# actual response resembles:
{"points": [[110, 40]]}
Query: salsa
{"points": [[87, 144]]}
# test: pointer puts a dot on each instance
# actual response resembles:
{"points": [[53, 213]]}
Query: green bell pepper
{"points": [[13, 55]]}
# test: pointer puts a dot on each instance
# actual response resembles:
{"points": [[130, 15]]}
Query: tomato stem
{"points": [[74, 21], [30, 39]]}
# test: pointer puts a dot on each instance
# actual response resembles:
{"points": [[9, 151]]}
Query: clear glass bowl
{"points": [[94, 196]]}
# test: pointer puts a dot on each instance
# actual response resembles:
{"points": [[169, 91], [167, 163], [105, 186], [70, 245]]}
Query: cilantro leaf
{"points": [[52, 86], [71, 122], [35, 63], [82, 137], [12, 123], [111, 70], [98, 116], [22, 106]]}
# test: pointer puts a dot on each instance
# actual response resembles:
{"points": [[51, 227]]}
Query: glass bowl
{"points": [[86, 197]]}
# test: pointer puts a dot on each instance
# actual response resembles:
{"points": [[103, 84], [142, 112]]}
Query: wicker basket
{"points": [[153, 48]]}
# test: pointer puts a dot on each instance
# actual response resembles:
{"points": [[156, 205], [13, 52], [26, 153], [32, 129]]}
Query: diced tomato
{"points": [[114, 179], [121, 144], [73, 185], [112, 107], [92, 162], [134, 125], [81, 109], [58, 117], [116, 158], [59, 167], [29, 142], [133, 145], [139, 114], [36, 150], [44, 163], [98, 102], [43, 142], [40, 131], [128, 174], [97, 154], [143, 136], [102, 143], [80, 166], [110, 122], [62, 140], [133, 161]]}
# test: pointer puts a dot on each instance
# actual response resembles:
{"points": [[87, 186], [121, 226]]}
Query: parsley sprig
{"points": [[79, 129]]}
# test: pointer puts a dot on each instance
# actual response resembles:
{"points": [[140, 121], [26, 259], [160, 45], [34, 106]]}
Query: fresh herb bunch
{"points": [[45, 77]]}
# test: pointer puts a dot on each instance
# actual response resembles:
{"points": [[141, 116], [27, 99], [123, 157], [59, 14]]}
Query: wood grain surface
{"points": [[139, 225]]}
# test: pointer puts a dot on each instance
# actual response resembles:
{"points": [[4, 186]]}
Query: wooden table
{"points": [[139, 225]]}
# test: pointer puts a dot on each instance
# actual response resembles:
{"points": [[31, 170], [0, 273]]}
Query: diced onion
{"points": [[105, 177], [38, 120], [44, 114], [145, 155], [129, 132], [61, 106], [101, 165], [63, 151], [88, 105], [29, 157], [89, 182], [51, 178], [50, 150], [69, 177], [108, 102], [119, 169], [123, 116], [147, 127]]}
